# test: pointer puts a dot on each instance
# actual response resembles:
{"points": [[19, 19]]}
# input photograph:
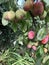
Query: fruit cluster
{"points": [[36, 8], [11, 15], [31, 35]]}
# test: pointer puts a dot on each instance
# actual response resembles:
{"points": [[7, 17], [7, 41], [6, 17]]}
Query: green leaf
{"points": [[14, 26], [47, 17], [0, 64], [4, 22], [41, 50], [4, 55], [41, 34], [3, 1], [45, 59], [17, 55], [46, 1]]}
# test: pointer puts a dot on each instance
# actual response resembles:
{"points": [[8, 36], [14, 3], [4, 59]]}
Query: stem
{"points": [[33, 19]]}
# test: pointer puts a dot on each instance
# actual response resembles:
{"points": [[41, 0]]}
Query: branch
{"points": [[33, 18]]}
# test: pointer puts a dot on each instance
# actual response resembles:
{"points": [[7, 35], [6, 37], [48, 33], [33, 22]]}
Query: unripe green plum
{"points": [[43, 15], [20, 14], [9, 15]]}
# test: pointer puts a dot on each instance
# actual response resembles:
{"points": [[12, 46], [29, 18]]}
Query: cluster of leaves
{"points": [[12, 56]]}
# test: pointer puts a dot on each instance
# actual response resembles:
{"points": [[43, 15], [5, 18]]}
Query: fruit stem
{"points": [[33, 19]]}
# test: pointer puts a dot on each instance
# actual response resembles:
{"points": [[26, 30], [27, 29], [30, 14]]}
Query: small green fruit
{"points": [[43, 15], [20, 13], [9, 15], [45, 50]]}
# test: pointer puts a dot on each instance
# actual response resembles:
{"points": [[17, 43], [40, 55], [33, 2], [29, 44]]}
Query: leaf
{"points": [[41, 49], [21, 42], [45, 59], [41, 34], [16, 54], [46, 1], [4, 22], [14, 26], [3, 1], [4, 55], [47, 17], [0, 64]]}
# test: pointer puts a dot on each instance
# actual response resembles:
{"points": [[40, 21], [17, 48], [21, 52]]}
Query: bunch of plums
{"points": [[37, 8]]}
